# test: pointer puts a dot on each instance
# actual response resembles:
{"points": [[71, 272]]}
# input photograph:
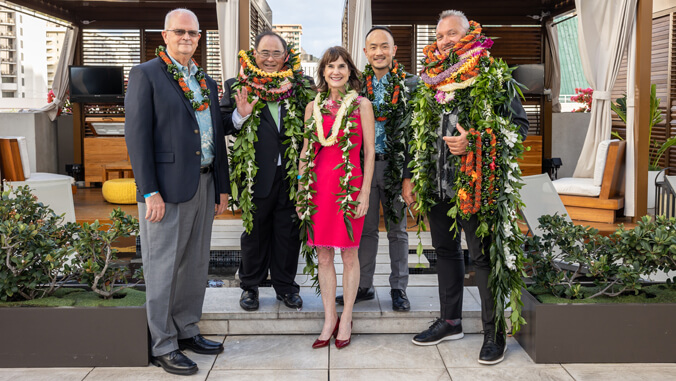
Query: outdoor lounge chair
{"points": [[540, 198], [599, 198], [51, 189]]}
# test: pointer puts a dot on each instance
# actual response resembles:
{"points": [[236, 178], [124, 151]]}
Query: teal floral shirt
{"points": [[379, 98], [204, 116]]}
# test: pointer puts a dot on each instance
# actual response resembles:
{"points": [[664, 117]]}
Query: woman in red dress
{"points": [[343, 125]]}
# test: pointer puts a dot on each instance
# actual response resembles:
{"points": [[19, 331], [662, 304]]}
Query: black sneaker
{"points": [[362, 294], [439, 331], [494, 348], [400, 300]]}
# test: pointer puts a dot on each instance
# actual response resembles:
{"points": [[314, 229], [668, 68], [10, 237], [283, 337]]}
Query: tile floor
{"points": [[370, 357]]}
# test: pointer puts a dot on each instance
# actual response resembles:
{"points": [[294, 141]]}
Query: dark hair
{"points": [[258, 38], [386, 29], [331, 55]]}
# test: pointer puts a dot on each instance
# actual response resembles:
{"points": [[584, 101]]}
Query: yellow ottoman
{"points": [[120, 191]]}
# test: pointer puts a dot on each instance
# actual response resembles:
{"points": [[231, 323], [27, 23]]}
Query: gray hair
{"points": [[177, 11], [453, 13]]}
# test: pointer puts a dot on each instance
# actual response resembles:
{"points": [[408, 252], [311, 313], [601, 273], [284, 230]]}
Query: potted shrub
{"points": [[586, 300], [41, 262], [656, 149]]}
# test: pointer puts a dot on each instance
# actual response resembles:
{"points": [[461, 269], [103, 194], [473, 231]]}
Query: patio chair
{"points": [[540, 198], [597, 199], [51, 189]]}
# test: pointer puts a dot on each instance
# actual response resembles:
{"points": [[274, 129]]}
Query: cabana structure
{"points": [[522, 29]]}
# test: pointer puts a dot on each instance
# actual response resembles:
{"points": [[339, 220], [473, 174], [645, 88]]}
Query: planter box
{"points": [[73, 337], [598, 333]]}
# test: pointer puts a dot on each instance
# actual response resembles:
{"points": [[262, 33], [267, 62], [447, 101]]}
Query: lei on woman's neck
{"points": [[288, 86], [479, 90], [391, 111], [173, 70]]}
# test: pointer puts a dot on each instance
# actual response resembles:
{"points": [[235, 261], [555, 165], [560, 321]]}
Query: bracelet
{"points": [[150, 194]]}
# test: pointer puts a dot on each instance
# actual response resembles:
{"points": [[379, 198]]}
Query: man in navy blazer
{"points": [[174, 135]]}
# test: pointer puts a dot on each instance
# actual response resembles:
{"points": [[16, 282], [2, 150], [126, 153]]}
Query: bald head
{"points": [[182, 12], [380, 50]]}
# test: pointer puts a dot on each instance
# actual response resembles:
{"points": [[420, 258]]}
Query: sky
{"points": [[320, 20]]}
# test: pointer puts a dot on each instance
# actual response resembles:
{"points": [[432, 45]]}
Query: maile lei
{"points": [[467, 80], [317, 138], [393, 112], [173, 70], [288, 86]]}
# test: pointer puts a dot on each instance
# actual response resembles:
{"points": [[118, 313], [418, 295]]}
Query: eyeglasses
{"points": [[410, 212], [265, 54], [182, 32]]}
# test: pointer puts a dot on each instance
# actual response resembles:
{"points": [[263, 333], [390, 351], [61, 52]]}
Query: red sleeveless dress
{"points": [[329, 225]]}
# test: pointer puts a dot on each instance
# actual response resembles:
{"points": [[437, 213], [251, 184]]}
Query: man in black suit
{"points": [[273, 243], [177, 152]]}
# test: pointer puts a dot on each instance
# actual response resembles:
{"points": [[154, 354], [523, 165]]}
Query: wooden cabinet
{"points": [[99, 151]]}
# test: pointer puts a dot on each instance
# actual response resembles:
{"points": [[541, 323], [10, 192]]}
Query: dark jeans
{"points": [[451, 264]]}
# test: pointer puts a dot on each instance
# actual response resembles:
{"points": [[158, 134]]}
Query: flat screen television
{"points": [[89, 84]]}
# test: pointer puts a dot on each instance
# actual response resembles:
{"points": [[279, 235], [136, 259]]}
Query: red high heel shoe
{"points": [[343, 343], [323, 343]]}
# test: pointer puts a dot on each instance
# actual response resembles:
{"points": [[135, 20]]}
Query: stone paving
{"points": [[370, 357]]}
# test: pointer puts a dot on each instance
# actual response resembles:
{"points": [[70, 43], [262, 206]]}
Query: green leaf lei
{"points": [[309, 177], [243, 166], [480, 106], [396, 119]]}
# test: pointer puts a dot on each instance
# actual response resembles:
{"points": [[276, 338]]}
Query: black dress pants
{"points": [[274, 241], [451, 264]]}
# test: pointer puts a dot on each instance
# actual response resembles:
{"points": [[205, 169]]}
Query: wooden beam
{"points": [[244, 21], [642, 106]]}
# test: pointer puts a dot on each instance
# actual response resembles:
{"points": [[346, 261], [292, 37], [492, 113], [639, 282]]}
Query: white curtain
{"points": [[604, 28], [60, 84], [227, 12], [630, 153], [553, 65], [362, 23]]}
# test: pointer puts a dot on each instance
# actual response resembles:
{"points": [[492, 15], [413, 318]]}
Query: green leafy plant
{"points": [[35, 247], [568, 257], [39, 254], [656, 149], [96, 255]]}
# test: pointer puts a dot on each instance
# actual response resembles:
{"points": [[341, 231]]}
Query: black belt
{"points": [[381, 157], [207, 169]]}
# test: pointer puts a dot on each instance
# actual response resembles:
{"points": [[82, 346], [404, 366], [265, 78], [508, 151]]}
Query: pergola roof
{"points": [[488, 12], [145, 14]]}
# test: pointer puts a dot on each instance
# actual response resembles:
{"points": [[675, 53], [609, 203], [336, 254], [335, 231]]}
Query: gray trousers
{"points": [[175, 255], [396, 234]]}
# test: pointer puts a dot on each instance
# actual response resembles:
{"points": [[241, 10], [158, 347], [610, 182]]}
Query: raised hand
{"points": [[244, 108]]}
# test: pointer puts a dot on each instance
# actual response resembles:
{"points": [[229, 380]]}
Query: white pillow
{"points": [[576, 186], [600, 163]]}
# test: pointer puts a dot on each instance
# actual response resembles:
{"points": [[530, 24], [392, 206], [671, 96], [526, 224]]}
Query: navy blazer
{"points": [[270, 140], [163, 137]]}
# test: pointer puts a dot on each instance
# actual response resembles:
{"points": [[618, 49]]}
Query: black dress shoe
{"points": [[199, 344], [249, 300], [439, 331], [494, 348], [292, 300], [362, 294], [175, 363], [400, 300]]}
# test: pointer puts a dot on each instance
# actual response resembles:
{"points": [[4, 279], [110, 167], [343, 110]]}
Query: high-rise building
{"points": [[290, 32], [29, 54]]}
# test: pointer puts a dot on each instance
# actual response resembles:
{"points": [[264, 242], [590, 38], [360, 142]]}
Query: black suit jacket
{"points": [[163, 138], [270, 141]]}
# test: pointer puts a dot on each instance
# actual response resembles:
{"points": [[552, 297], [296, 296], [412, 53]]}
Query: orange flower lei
{"points": [[173, 70], [393, 89], [461, 64], [472, 165]]}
